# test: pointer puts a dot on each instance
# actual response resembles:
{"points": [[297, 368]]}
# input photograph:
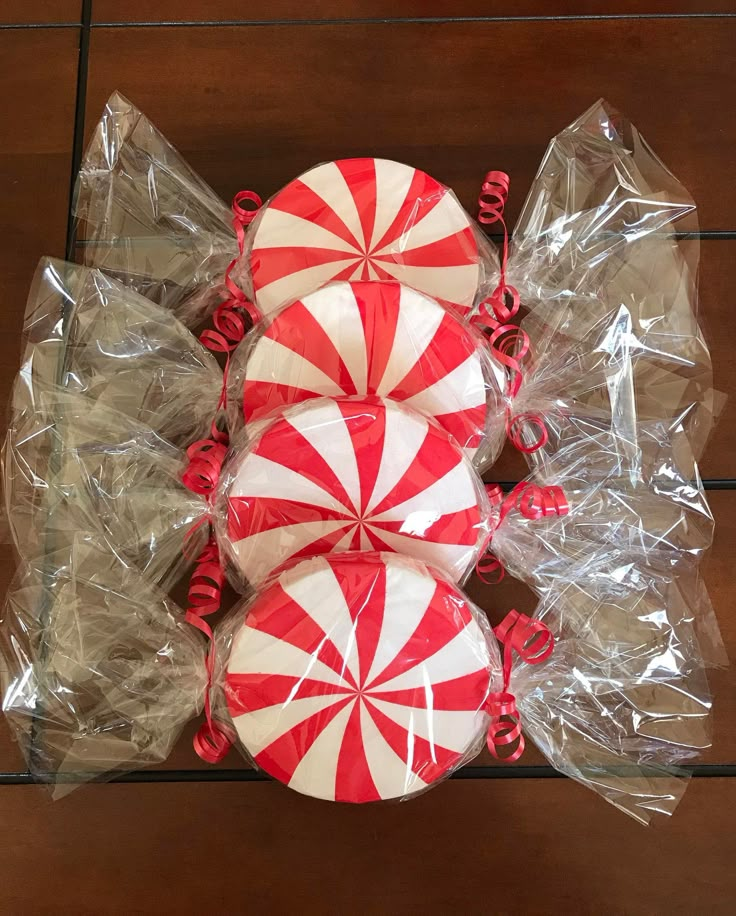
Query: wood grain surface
{"points": [[251, 106], [500, 847], [422, 93], [38, 75], [40, 12], [235, 10]]}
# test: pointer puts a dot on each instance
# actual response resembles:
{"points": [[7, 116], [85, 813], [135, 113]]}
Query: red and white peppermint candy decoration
{"points": [[375, 338], [364, 219], [352, 474], [360, 677]]}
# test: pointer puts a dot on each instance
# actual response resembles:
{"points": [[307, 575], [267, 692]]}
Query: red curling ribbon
{"points": [[230, 325], [533, 502], [244, 216], [205, 462], [494, 193], [205, 586], [488, 565], [213, 740], [236, 314], [533, 642], [508, 343]]}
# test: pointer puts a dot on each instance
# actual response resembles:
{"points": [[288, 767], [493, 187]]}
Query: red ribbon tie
{"points": [[533, 642], [533, 502], [205, 462], [508, 343]]}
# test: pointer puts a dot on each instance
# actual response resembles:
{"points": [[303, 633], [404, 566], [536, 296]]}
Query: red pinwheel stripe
{"points": [[249, 515], [379, 317], [431, 463], [461, 527], [459, 694], [422, 196], [251, 692], [327, 543], [353, 777], [428, 761], [263, 399], [272, 263], [283, 756], [360, 178], [462, 423], [450, 347], [368, 436], [434, 631], [451, 251], [284, 619], [285, 445], [298, 198], [374, 539], [365, 598], [297, 329]]}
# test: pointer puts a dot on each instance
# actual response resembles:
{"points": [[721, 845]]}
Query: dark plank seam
{"points": [[79, 112], [701, 771], [423, 20], [39, 25]]}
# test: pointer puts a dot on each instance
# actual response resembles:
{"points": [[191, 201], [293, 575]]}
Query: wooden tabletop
{"points": [[252, 94]]}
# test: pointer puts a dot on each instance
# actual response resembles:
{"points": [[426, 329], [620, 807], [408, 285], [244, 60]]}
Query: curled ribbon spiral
{"points": [[533, 642], [236, 313], [508, 343], [214, 739], [205, 461], [201, 476], [533, 502]]}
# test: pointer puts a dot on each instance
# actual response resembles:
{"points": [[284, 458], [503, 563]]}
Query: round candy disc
{"points": [[360, 677], [364, 219], [352, 474], [358, 338]]}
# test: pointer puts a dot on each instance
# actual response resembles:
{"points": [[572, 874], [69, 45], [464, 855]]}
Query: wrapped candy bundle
{"points": [[373, 366], [147, 218], [100, 669], [373, 338], [365, 676], [366, 219], [350, 474]]}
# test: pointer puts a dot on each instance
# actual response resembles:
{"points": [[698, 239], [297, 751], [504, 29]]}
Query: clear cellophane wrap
{"points": [[100, 670], [616, 405], [146, 218], [605, 259]]}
